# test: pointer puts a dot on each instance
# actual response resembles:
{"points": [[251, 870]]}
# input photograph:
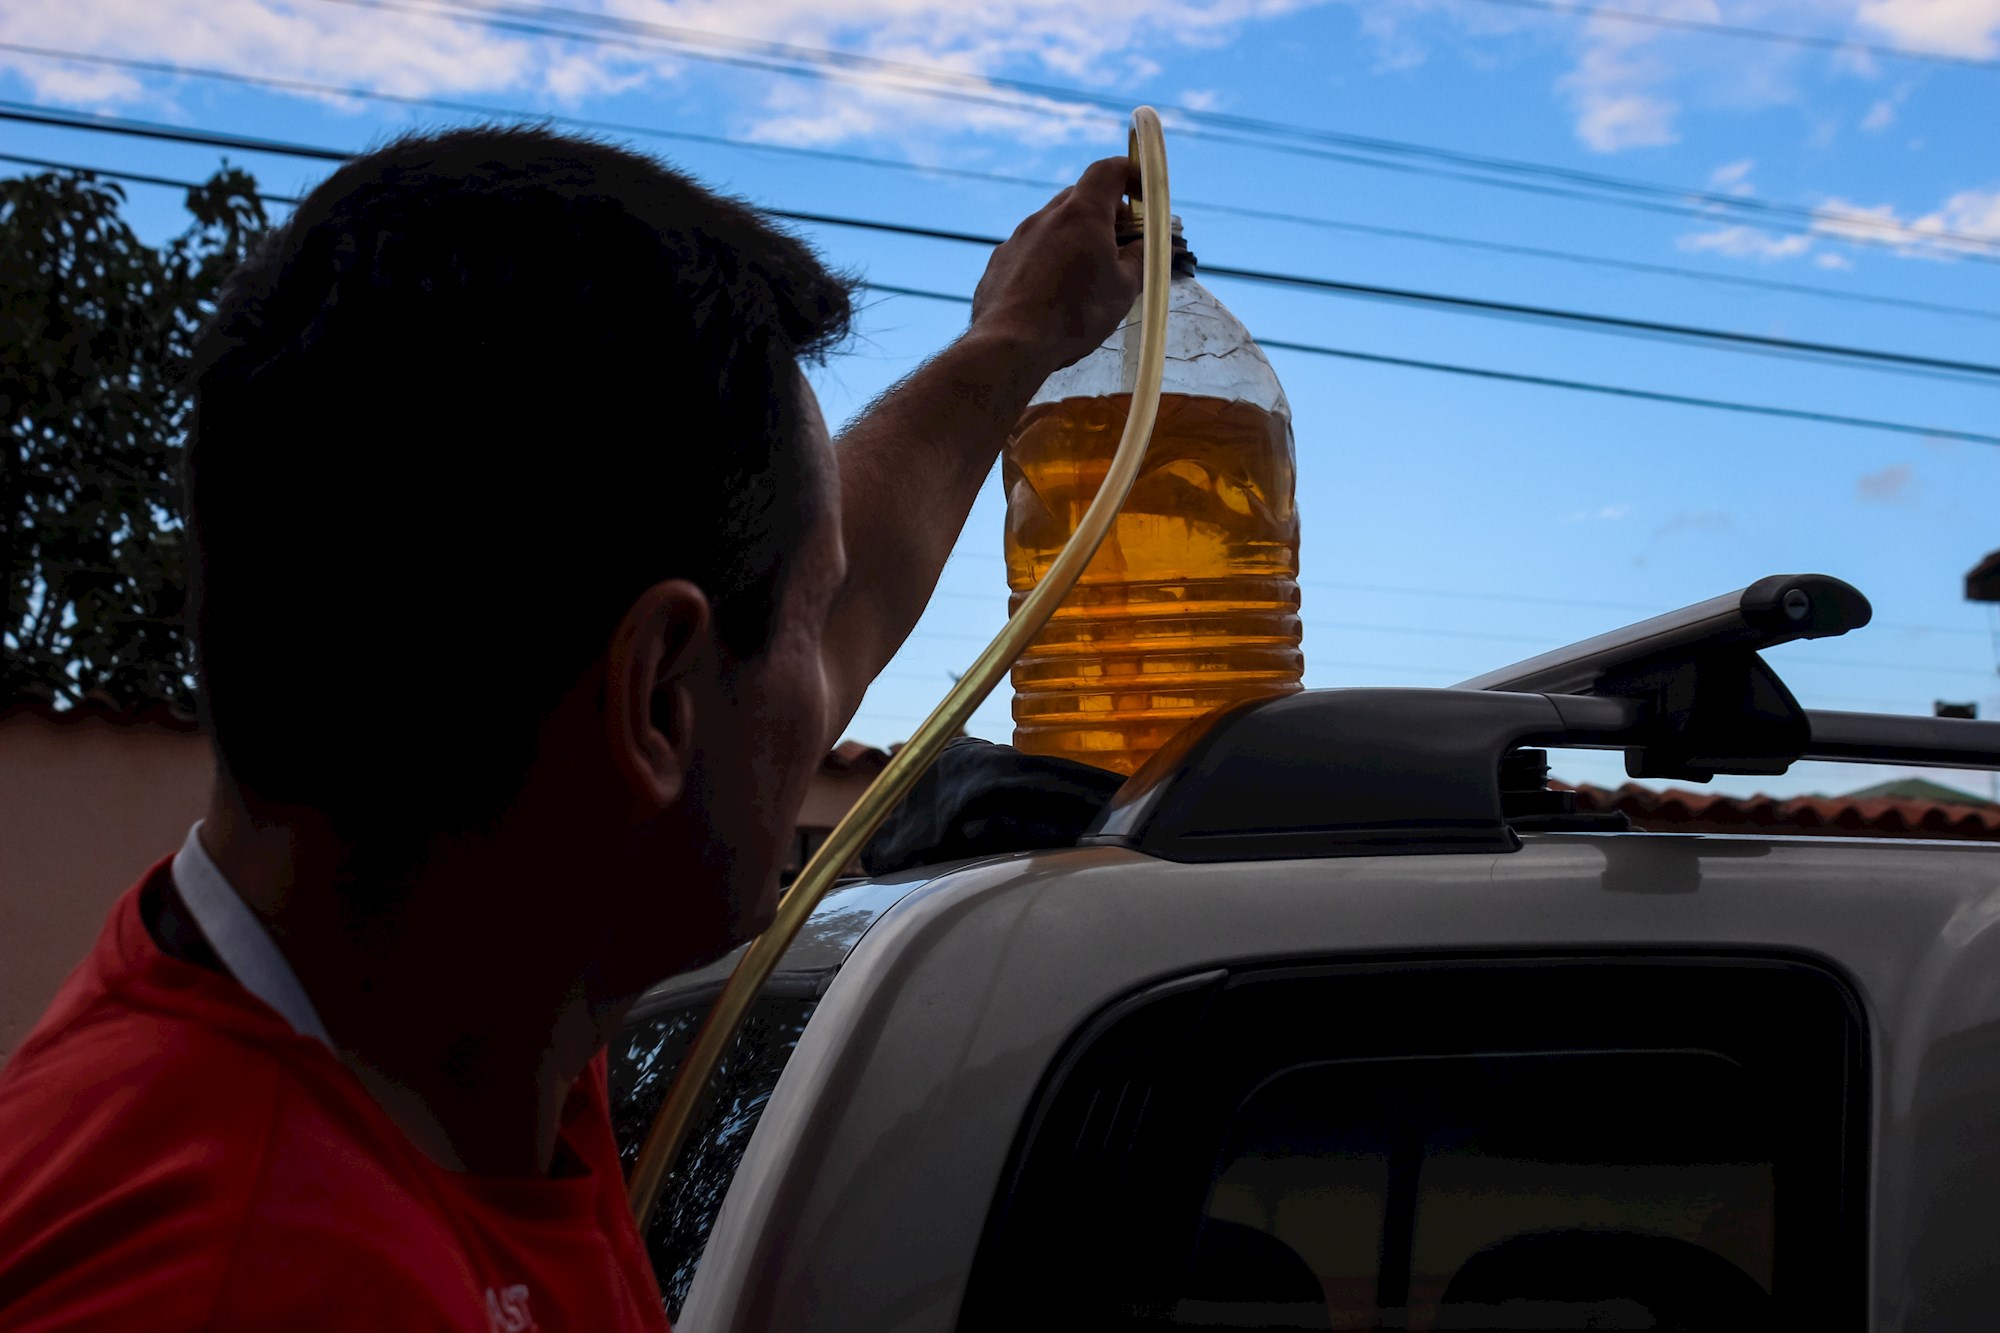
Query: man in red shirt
{"points": [[528, 593]]}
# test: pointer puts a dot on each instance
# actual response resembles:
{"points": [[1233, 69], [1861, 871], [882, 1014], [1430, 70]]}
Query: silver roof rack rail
{"points": [[1769, 612]]}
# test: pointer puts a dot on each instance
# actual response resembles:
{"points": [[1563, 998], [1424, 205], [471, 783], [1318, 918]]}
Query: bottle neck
{"points": [[1183, 260]]}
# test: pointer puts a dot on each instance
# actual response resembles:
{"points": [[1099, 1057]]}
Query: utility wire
{"points": [[1196, 206], [1542, 381], [1537, 599], [1593, 261], [1328, 351], [1616, 324], [30, 114], [136, 177], [1814, 41], [1612, 324], [1812, 658], [1550, 382], [849, 67], [1792, 219], [1682, 332]]}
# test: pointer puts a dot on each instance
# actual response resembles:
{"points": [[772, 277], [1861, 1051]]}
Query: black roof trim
{"points": [[1345, 773]]}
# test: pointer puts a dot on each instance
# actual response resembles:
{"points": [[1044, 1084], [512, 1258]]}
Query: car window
{"points": [[1551, 1145], [642, 1064], [1470, 1191], [644, 1058]]}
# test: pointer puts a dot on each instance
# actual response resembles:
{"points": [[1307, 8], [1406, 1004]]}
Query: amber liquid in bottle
{"points": [[1191, 604]]}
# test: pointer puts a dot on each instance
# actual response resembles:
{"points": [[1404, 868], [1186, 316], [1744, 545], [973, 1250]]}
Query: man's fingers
{"points": [[1104, 183], [1132, 262]]}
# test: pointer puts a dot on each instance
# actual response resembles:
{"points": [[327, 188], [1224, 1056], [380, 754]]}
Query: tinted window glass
{"points": [[1521, 1144], [642, 1064], [1443, 1192]]}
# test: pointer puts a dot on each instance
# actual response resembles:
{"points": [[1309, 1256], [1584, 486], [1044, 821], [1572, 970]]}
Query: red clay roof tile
{"points": [[1678, 810]]}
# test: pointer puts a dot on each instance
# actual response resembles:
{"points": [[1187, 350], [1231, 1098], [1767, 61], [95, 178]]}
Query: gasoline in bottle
{"points": [[1192, 602]]}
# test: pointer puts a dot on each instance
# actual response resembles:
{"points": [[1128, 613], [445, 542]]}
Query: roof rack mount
{"points": [[1716, 706]]}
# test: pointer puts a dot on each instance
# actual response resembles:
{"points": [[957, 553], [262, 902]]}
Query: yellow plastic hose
{"points": [[670, 1127]]}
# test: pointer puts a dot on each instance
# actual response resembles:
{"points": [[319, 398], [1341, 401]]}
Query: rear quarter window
{"points": [[642, 1065]]}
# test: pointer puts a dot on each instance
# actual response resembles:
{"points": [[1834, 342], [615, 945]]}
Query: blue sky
{"points": [[1450, 524]]}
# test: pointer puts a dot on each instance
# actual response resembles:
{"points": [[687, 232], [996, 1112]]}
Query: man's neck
{"points": [[468, 1041]]}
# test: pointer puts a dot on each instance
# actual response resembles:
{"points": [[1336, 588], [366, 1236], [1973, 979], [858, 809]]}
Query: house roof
{"points": [[1982, 581], [854, 757], [1676, 810]]}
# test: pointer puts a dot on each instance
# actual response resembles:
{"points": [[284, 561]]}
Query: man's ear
{"points": [[649, 707]]}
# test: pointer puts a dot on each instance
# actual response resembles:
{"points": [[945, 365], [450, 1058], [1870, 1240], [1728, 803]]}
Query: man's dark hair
{"points": [[481, 390]]}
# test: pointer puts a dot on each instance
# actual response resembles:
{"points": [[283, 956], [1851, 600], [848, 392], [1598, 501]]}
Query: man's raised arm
{"points": [[911, 466]]}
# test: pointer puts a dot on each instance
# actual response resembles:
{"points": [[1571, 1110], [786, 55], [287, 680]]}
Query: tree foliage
{"points": [[95, 331]]}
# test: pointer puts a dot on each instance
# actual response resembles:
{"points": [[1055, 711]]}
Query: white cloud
{"points": [[1101, 42], [574, 77], [1610, 92], [1741, 242], [1961, 27], [1732, 175], [1631, 84], [325, 43], [1934, 235], [1939, 234], [91, 85], [1601, 514], [1968, 210], [1611, 124]]}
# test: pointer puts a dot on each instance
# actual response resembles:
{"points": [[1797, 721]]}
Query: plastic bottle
{"points": [[1192, 603]]}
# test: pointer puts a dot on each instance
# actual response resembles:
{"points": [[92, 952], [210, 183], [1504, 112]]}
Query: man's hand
{"points": [[1061, 283]]}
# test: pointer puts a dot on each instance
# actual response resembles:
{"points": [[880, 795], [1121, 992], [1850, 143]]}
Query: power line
{"points": [[1615, 324], [1551, 382], [1594, 261], [1541, 381], [1648, 395], [1672, 201], [1804, 39], [1473, 595], [1872, 358], [179, 70], [1612, 324], [1432, 631], [1789, 666], [28, 113], [849, 67], [136, 177], [1609, 322]]}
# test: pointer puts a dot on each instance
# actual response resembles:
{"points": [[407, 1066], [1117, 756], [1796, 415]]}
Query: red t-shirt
{"points": [[173, 1156]]}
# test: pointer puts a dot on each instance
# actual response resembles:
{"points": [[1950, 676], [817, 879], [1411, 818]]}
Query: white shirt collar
{"points": [[240, 940]]}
